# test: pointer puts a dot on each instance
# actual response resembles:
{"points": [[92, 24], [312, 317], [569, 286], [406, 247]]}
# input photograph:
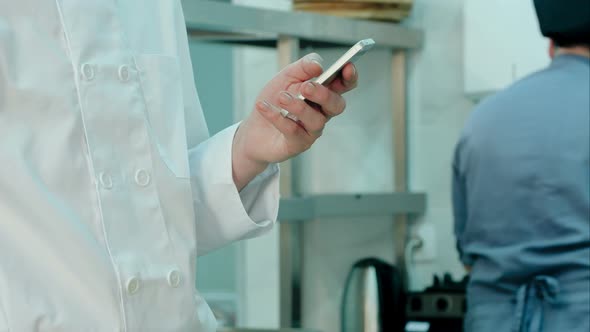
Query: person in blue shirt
{"points": [[521, 190]]}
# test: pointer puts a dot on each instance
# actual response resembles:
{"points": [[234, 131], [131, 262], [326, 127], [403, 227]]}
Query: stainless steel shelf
{"points": [[342, 205], [217, 21]]}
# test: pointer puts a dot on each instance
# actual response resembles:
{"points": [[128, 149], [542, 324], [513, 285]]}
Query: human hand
{"points": [[268, 137]]}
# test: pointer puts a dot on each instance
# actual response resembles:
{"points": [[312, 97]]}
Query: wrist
{"points": [[244, 167]]}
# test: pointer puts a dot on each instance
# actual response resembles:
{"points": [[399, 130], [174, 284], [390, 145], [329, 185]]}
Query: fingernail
{"points": [[285, 98], [309, 87], [353, 71], [314, 58]]}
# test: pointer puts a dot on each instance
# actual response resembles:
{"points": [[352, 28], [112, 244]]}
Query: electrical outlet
{"points": [[427, 251]]}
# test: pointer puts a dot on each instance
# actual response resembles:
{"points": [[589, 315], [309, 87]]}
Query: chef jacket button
{"points": [[142, 177], [124, 73], [132, 285], [105, 180], [87, 72], [173, 278]]}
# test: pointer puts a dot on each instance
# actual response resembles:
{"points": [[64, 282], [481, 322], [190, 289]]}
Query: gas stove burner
{"points": [[442, 305]]}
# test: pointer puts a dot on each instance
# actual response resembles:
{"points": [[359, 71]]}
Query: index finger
{"points": [[305, 68]]}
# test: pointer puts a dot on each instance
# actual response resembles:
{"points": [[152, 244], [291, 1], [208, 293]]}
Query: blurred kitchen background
{"points": [[466, 50]]}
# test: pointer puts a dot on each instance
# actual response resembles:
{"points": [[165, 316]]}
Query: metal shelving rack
{"points": [[288, 32]]}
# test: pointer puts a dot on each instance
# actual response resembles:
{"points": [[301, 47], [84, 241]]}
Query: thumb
{"points": [[304, 69]]}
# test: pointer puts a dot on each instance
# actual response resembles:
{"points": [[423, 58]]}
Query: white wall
{"points": [[355, 156], [438, 109], [502, 44]]}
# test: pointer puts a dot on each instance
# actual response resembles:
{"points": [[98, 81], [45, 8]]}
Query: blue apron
{"points": [[541, 305]]}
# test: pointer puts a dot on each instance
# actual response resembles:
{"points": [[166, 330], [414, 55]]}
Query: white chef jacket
{"points": [[109, 185]]}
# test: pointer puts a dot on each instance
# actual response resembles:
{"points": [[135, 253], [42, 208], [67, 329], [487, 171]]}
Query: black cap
{"points": [[567, 22]]}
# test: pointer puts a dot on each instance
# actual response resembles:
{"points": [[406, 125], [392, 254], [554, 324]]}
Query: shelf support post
{"points": [[400, 153], [290, 233]]}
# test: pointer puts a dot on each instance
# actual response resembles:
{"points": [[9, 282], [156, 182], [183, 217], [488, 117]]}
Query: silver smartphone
{"points": [[353, 54]]}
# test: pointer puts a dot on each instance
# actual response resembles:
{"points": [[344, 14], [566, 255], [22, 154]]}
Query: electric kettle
{"points": [[373, 298]]}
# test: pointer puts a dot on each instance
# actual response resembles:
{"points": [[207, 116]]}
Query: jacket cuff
{"points": [[223, 214]]}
